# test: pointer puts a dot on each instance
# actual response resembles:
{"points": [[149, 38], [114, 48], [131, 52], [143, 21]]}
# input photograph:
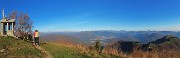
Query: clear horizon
{"points": [[89, 15], [112, 30]]}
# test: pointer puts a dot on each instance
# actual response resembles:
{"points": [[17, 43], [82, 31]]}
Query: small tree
{"points": [[23, 27], [97, 45]]}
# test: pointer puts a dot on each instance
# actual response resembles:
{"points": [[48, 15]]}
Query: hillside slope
{"points": [[165, 47], [64, 51], [11, 47], [166, 43]]}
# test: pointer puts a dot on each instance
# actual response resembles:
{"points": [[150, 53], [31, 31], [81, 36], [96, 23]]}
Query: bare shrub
{"points": [[24, 25]]}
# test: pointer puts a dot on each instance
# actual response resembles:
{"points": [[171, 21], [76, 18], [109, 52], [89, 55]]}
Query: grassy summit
{"points": [[12, 47]]}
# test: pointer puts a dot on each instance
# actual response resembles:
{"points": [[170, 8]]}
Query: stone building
{"points": [[7, 26]]}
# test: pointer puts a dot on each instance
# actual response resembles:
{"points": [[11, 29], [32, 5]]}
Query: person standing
{"points": [[36, 37]]}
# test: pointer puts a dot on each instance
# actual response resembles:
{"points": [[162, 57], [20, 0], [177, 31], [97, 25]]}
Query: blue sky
{"points": [[85, 15]]}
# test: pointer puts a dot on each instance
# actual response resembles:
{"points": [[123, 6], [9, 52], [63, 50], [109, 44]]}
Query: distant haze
{"points": [[108, 36]]}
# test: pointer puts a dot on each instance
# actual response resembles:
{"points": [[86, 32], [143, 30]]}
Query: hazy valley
{"points": [[108, 36]]}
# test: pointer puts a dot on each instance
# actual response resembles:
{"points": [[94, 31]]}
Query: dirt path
{"points": [[47, 54]]}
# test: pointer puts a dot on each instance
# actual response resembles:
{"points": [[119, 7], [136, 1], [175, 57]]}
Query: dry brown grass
{"points": [[155, 54], [143, 54], [72, 44], [114, 51], [88, 49]]}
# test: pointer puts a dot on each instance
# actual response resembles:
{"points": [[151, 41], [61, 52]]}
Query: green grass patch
{"points": [[17, 48]]}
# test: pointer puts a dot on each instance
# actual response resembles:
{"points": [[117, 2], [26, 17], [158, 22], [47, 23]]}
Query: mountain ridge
{"points": [[165, 43], [141, 36]]}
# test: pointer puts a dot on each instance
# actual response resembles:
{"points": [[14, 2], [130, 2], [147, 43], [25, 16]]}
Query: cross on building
{"points": [[7, 25]]}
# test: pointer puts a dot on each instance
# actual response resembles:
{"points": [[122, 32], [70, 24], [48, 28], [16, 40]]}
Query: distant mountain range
{"points": [[107, 36]]}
